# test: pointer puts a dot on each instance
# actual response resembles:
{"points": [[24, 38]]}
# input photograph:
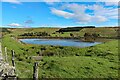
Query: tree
{"points": [[95, 35], [71, 35]]}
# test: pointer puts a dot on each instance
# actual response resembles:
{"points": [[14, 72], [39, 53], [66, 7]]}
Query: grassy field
{"points": [[104, 32], [100, 61]]}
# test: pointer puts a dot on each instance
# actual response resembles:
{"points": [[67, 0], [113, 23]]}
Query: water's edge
{"points": [[60, 42]]}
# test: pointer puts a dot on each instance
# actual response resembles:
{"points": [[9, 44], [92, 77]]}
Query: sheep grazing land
{"points": [[99, 61]]}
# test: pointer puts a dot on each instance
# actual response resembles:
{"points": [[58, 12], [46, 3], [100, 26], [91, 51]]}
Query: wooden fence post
{"points": [[6, 54], [35, 71], [13, 59]]}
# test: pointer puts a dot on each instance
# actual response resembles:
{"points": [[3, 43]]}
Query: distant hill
{"points": [[70, 29]]}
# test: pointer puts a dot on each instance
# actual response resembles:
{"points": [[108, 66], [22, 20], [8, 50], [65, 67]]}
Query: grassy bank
{"points": [[79, 67], [100, 61]]}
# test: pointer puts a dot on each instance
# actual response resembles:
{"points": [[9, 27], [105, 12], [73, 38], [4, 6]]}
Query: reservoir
{"points": [[60, 42]]}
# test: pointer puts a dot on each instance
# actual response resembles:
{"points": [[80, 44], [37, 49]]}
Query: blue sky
{"points": [[59, 14]]}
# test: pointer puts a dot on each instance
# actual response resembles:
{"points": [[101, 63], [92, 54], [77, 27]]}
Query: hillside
{"points": [[67, 62], [108, 32]]}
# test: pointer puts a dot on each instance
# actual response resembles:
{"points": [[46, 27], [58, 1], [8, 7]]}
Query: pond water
{"points": [[60, 42]]}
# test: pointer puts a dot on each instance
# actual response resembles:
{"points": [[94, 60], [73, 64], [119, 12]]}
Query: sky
{"points": [[59, 14]]}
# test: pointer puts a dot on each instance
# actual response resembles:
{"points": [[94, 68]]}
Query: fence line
{"points": [[6, 55], [35, 67], [35, 71]]}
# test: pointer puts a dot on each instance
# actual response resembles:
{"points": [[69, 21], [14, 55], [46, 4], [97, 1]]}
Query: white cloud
{"points": [[99, 19], [62, 13], [12, 1], [14, 25], [78, 17], [78, 13], [74, 7], [110, 13], [51, 2]]}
